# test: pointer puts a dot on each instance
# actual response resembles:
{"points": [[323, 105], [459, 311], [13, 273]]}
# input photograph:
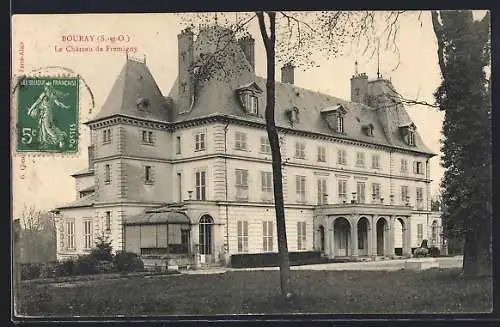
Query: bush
{"points": [[127, 262], [434, 251], [65, 268], [102, 250], [30, 271], [86, 265]]}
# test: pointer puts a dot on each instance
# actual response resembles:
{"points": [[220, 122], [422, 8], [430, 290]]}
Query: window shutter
{"points": [[414, 167]]}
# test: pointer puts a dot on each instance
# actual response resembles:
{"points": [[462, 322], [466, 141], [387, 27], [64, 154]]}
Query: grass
{"points": [[433, 291]]}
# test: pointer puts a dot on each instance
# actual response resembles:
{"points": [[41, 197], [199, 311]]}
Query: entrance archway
{"points": [[382, 227], [399, 237], [341, 237], [363, 236], [206, 239], [322, 238]]}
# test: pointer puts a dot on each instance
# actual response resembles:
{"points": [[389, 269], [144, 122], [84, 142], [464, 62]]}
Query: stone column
{"points": [[331, 247], [369, 239], [354, 236], [374, 236], [407, 237], [390, 241]]}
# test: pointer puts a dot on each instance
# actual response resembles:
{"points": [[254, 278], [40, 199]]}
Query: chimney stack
{"points": [[359, 88], [287, 73], [247, 44], [185, 42]]}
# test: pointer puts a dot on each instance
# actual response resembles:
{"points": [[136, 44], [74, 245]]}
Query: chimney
{"points": [[287, 72], [90, 151], [359, 88], [185, 42], [247, 44]]}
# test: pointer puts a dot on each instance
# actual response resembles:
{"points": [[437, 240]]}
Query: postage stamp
{"points": [[47, 113]]}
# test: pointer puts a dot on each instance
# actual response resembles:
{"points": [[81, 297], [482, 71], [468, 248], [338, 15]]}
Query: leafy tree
{"points": [[465, 97], [295, 38], [103, 251]]}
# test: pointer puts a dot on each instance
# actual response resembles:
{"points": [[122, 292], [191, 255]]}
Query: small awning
{"points": [[164, 217], [88, 189]]}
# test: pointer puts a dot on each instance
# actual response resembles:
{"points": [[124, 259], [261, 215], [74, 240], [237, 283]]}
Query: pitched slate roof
{"points": [[164, 217], [86, 201]]}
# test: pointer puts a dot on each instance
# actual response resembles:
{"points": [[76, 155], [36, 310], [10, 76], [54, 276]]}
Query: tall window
{"points": [[404, 194], [108, 221], [376, 191], [361, 191], [420, 198], [241, 184], [265, 147], [107, 174], [200, 180], [375, 161], [240, 141], [267, 231], [242, 236], [70, 234], [360, 159], [300, 150], [342, 186], [147, 137], [300, 187], [322, 191], [251, 103], [418, 167], [420, 233], [266, 185], [87, 234], [178, 145], [434, 233], [341, 157], [340, 124], [321, 154], [301, 235], [404, 165], [199, 144], [106, 135], [148, 175], [411, 137]]}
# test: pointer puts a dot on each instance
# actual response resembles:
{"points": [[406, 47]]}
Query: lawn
{"points": [[433, 291]]}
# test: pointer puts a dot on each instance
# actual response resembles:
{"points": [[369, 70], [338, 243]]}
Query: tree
{"points": [[465, 97], [295, 38]]}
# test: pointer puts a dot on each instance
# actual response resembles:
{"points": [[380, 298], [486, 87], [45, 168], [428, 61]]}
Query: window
{"points": [[375, 161], [87, 234], [267, 231], [178, 145], [200, 185], [300, 187], [420, 198], [251, 103], [267, 185], [301, 235], [404, 165], [322, 191], [108, 221], [342, 186], [340, 124], [179, 186], [147, 137], [341, 157], [106, 136], [404, 194], [411, 137], [434, 228], [107, 174], [70, 234], [360, 159], [376, 191], [420, 233], [361, 192], [321, 154], [418, 168], [300, 150], [240, 142], [241, 184], [242, 236], [199, 142], [265, 147], [148, 175]]}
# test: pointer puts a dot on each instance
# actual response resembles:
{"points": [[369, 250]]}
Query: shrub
{"points": [[102, 250], [30, 271], [65, 268], [86, 265], [49, 270], [434, 251], [127, 262]]}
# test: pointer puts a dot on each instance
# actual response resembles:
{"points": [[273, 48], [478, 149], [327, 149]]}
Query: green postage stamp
{"points": [[47, 114]]}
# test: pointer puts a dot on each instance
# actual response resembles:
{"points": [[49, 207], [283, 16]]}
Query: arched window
{"points": [[205, 233]]}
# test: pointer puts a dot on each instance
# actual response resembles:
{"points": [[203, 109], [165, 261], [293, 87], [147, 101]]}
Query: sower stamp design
{"points": [[47, 117]]}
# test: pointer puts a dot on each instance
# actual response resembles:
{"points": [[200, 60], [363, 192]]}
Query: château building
{"points": [[191, 172]]}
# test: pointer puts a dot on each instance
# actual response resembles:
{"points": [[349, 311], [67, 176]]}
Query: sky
{"points": [[41, 41]]}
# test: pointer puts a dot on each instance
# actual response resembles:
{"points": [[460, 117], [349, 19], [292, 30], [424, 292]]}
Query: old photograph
{"points": [[236, 163]]}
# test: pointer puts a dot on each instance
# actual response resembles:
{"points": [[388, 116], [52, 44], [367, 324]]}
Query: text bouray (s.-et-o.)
{"points": [[95, 43]]}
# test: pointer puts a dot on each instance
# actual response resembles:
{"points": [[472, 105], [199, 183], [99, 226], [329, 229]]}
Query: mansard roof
{"points": [[86, 201]]}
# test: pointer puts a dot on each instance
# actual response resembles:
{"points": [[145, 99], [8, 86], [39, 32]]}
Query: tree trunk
{"points": [[477, 251], [269, 42]]}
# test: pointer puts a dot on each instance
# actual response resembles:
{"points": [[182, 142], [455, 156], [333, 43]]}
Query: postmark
{"points": [[47, 114]]}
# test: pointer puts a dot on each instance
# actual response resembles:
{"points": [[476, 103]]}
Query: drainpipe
{"points": [[226, 185]]}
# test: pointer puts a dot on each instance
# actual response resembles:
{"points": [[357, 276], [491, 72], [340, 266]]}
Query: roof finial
{"points": [[356, 67], [378, 59]]}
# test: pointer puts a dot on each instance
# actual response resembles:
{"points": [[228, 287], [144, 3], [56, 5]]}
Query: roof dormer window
{"points": [[368, 129], [142, 103], [334, 116], [248, 97], [292, 115], [408, 133], [340, 123]]}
